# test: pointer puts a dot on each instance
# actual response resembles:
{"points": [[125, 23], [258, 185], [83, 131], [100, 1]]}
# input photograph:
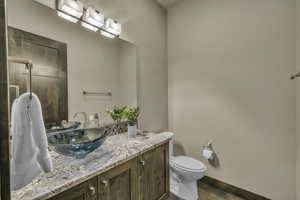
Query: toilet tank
{"points": [[171, 145]]}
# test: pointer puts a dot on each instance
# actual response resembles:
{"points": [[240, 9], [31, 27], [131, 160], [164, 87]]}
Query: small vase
{"points": [[131, 130]]}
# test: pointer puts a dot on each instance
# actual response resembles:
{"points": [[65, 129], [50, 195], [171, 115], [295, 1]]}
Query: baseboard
{"points": [[231, 189]]}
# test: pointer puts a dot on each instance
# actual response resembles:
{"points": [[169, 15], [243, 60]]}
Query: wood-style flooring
{"points": [[207, 192]]}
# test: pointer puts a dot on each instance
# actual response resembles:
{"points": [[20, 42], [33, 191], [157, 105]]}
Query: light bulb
{"points": [[70, 7], [93, 18], [113, 26]]}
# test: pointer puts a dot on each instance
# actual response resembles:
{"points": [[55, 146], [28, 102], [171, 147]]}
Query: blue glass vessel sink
{"points": [[79, 142], [64, 125]]}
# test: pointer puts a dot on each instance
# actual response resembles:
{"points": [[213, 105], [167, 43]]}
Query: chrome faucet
{"points": [[93, 120], [86, 122]]}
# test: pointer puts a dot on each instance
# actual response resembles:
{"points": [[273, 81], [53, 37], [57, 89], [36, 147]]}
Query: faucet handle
{"points": [[94, 116], [77, 113], [95, 119], [85, 118]]}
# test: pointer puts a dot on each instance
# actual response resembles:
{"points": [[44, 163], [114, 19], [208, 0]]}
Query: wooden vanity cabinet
{"points": [[145, 177]]}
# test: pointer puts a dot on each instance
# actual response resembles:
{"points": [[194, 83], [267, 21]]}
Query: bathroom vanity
{"points": [[122, 169]]}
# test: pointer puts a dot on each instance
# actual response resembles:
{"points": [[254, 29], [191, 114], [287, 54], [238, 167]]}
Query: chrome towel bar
{"points": [[295, 75], [96, 93]]}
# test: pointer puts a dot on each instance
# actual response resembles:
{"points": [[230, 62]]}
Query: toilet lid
{"points": [[188, 164]]}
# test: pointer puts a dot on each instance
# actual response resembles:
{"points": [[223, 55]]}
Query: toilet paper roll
{"points": [[208, 154]]}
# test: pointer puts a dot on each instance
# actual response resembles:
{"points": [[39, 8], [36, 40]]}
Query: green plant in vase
{"points": [[117, 114], [131, 115]]}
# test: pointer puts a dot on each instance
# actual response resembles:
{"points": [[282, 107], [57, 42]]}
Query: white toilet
{"points": [[184, 174]]}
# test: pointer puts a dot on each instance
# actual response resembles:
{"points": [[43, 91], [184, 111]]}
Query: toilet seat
{"points": [[188, 164]]}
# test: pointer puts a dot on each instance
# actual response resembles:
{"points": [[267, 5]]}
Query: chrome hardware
{"points": [[85, 124], [89, 121], [95, 120], [295, 76], [142, 162], [105, 183], [92, 190], [208, 145]]}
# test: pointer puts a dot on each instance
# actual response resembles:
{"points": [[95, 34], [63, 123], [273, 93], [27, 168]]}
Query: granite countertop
{"points": [[69, 171]]}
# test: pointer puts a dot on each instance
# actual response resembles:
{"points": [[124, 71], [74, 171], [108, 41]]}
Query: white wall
{"points": [[149, 37], [229, 67]]}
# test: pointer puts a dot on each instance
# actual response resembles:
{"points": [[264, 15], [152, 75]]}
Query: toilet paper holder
{"points": [[213, 158], [208, 151], [209, 145]]}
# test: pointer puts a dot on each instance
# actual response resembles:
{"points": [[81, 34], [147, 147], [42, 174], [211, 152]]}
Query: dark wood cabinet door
{"points": [[85, 191], [76, 193], [154, 174], [119, 183]]}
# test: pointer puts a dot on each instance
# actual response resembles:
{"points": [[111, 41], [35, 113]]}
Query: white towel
{"points": [[30, 154]]}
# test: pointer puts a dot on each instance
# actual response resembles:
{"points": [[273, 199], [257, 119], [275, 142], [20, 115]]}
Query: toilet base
{"points": [[174, 197], [182, 189]]}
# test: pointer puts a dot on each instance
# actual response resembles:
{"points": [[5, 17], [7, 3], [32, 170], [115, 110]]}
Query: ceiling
{"points": [[167, 3]]}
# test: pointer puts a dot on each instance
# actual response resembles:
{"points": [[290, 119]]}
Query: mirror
{"points": [[74, 69]]}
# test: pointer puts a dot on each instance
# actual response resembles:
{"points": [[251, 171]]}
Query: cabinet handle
{"points": [[105, 183], [143, 163], [92, 190]]}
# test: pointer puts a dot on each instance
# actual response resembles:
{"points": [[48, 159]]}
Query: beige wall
{"points": [[149, 37], [128, 75], [146, 28], [229, 67]]}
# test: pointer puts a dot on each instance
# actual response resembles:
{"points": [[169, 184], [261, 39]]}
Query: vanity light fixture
{"points": [[70, 10], [90, 18], [113, 28], [94, 19]]}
